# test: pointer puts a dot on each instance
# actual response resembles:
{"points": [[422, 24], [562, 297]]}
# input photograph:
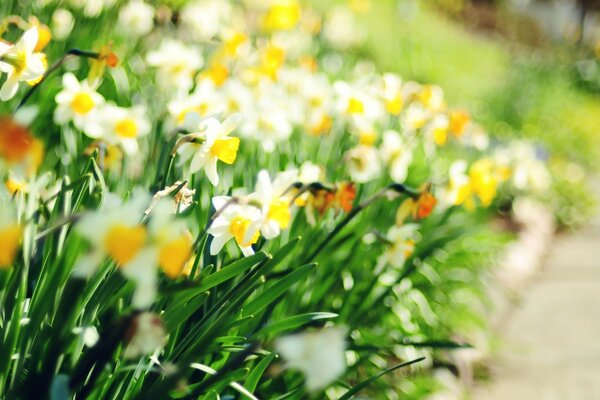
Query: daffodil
{"points": [[401, 245], [120, 126], [420, 207], [77, 102], [269, 121], [356, 102], [282, 15], [214, 144], [177, 64], [18, 147], [11, 233], [318, 354], [171, 237], [363, 163], [275, 197], [481, 181], [206, 19], [116, 231], [415, 117], [396, 152], [234, 221], [136, 18], [21, 63], [391, 93], [204, 101]]}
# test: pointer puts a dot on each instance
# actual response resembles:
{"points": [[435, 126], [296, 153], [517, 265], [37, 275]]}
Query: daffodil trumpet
{"points": [[70, 53]]}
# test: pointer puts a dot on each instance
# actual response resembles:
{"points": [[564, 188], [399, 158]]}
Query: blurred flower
{"points": [[363, 163], [136, 18], [415, 117], [145, 334], [92, 8], [120, 125], [106, 58], [458, 122], [76, 102], [391, 93], [21, 63], [18, 147], [481, 181], [418, 208], [401, 245], [274, 197], [172, 238], [177, 64], [10, 233], [205, 19], [204, 101], [115, 231], [62, 23], [319, 355], [214, 144], [397, 154], [282, 15], [234, 221]]}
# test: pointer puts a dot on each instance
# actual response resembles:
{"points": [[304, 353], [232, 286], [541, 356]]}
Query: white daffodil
{"points": [[234, 221], [269, 120], [205, 101], [401, 245], [275, 197], [62, 23], [319, 355], [206, 19], [115, 231], [459, 183], [437, 129], [391, 93], [120, 125], [92, 8], [432, 97], [363, 163], [177, 64], [415, 117], [215, 145], [21, 63], [353, 101], [171, 237], [76, 102], [309, 173], [136, 18], [397, 154]]}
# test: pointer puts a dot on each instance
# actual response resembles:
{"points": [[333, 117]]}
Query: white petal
{"points": [[211, 171], [217, 243], [232, 122], [29, 40], [9, 88]]}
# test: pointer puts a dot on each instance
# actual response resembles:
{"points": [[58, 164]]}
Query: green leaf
{"points": [[258, 371], [372, 379], [273, 292], [231, 271], [180, 310], [293, 322]]}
